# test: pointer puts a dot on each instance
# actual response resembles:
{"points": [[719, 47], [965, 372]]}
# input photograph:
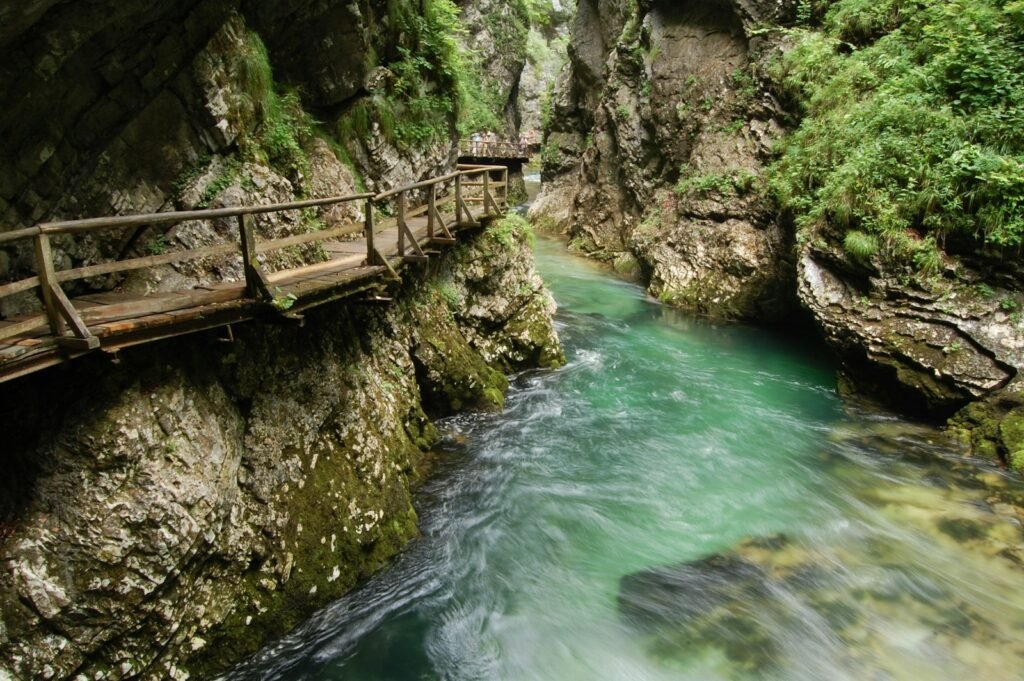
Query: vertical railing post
{"points": [[47, 280], [431, 209], [487, 189], [458, 199], [371, 257], [248, 240], [504, 192], [401, 224]]}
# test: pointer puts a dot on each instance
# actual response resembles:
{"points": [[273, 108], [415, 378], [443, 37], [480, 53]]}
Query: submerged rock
{"points": [[838, 602]]}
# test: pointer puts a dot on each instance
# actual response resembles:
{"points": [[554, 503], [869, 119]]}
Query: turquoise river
{"points": [[684, 500]]}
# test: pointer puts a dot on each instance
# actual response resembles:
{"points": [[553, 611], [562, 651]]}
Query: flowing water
{"points": [[684, 501]]}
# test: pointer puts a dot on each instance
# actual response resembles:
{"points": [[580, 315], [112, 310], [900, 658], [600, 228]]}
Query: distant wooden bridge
{"points": [[71, 327], [494, 152]]}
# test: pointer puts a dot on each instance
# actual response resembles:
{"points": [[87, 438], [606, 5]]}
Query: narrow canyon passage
{"points": [[683, 501]]}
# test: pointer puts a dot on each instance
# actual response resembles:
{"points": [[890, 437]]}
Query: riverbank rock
{"points": [[930, 348], [164, 517]]}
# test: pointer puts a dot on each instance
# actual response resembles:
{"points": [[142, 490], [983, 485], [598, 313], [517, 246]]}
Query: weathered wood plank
{"points": [[35, 323]]}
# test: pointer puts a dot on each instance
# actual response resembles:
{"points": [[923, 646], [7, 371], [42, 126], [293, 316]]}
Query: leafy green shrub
{"points": [[282, 126], [927, 258], [417, 105], [512, 229], [736, 182], [913, 123], [860, 245]]}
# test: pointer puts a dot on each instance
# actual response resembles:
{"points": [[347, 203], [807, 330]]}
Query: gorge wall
{"points": [[662, 159], [166, 515]]}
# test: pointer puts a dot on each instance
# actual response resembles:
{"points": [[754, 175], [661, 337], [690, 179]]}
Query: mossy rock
{"points": [[993, 428]]}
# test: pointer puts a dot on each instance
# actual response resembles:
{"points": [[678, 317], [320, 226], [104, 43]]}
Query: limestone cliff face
{"points": [[661, 129], [166, 516], [139, 106]]}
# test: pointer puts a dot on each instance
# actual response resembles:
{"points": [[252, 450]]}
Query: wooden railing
{"points": [[490, 149], [70, 330]]}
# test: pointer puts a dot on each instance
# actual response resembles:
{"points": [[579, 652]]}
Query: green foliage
{"points": [[547, 106], [416, 105], [282, 126], [157, 246], [227, 176], [286, 129], [550, 156], [622, 113], [537, 49], [542, 13], [512, 230], [450, 295], [284, 303], [192, 173], [913, 125], [926, 257], [860, 245], [737, 182]]}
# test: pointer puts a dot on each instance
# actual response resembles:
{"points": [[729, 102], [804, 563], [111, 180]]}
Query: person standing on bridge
{"points": [[474, 144]]}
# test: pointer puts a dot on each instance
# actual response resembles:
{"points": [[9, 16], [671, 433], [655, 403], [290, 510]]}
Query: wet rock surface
{"points": [[940, 349]]}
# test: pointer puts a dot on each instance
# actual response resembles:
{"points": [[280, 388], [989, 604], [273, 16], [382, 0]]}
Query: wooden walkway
{"points": [[109, 321], [494, 151]]}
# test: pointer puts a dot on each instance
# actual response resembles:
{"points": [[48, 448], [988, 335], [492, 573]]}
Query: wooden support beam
{"points": [[489, 202], [255, 280], [444, 228], [47, 280], [402, 226], [461, 209], [405, 233], [83, 338], [382, 261]]}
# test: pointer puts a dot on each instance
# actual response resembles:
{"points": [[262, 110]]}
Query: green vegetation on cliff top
{"points": [[416, 104], [913, 126]]}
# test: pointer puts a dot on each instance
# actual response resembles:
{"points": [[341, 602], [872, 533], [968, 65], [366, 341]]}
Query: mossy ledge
{"points": [[166, 517]]}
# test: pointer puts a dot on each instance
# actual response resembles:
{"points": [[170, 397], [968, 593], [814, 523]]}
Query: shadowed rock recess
{"points": [[659, 157], [164, 516]]}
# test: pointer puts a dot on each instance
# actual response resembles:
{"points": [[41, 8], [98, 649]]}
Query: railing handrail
{"points": [[474, 147], [417, 185], [474, 169], [169, 217]]}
